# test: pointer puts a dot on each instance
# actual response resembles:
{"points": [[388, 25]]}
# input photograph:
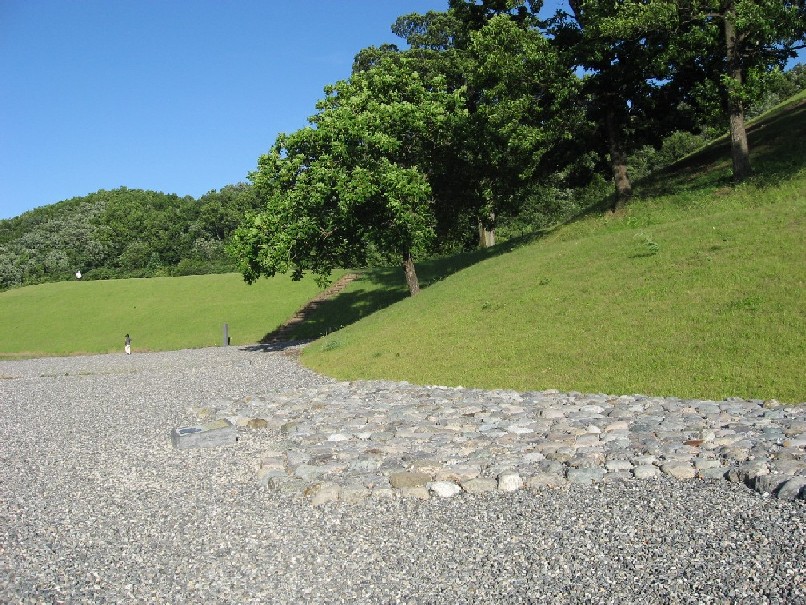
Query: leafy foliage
{"points": [[355, 182], [122, 233]]}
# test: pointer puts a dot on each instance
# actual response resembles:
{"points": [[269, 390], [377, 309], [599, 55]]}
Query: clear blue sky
{"points": [[179, 96]]}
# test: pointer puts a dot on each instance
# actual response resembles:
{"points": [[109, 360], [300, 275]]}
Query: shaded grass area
{"points": [[694, 290], [161, 314], [778, 147], [378, 288]]}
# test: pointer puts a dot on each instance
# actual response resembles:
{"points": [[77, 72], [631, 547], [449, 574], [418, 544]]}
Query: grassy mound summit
{"points": [[696, 290]]}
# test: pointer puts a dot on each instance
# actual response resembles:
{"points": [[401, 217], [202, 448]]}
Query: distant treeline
{"points": [[122, 233]]}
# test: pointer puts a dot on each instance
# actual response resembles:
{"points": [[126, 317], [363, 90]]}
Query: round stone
{"points": [[444, 489], [509, 482], [645, 471], [679, 470]]}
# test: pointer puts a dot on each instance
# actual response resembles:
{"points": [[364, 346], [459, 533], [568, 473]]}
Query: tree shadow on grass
{"points": [[778, 151], [381, 287], [290, 347], [777, 142]]}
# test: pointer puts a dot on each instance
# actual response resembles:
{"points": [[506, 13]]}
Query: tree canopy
{"points": [[485, 112], [122, 233], [355, 182]]}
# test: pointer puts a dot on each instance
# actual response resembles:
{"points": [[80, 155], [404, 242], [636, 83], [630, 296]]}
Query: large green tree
{"points": [[354, 185], [749, 38], [525, 106], [626, 87], [718, 53], [518, 107]]}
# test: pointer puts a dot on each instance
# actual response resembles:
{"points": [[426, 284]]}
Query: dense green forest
{"points": [[489, 123], [123, 233]]}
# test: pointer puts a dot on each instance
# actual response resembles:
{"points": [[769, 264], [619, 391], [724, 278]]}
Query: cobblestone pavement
{"points": [[350, 441]]}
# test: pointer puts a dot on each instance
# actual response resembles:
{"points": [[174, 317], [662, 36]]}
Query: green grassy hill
{"points": [[696, 290], [163, 313]]}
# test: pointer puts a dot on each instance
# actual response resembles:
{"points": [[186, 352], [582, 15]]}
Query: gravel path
{"points": [[97, 507]]}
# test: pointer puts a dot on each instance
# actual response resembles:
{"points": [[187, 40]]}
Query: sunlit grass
{"points": [[714, 309], [68, 318], [695, 290]]}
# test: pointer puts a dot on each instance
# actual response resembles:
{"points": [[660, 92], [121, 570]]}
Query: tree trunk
{"points": [[411, 274], [487, 235], [739, 149], [618, 161]]}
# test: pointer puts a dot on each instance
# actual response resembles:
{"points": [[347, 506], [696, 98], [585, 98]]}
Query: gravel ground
{"points": [[97, 507]]}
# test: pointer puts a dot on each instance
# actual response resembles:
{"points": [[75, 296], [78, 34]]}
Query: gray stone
{"points": [[338, 437], [645, 471], [308, 472], [793, 489], [616, 476], [771, 483], [352, 494], [457, 473], [706, 463], [289, 428], [265, 475], [364, 465], [788, 467], [794, 427], [420, 492], [796, 441], [407, 479], [322, 493], [588, 439], [717, 472], [679, 470], [295, 458], [509, 482], [212, 434], [587, 460], [544, 480], [479, 485], [384, 493], [286, 486], [748, 472], [619, 465], [444, 489], [585, 476]]}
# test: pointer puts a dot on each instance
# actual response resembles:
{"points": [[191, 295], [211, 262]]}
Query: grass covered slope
{"points": [[696, 290], [164, 313]]}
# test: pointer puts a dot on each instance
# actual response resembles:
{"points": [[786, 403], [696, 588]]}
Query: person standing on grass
{"points": [[128, 346]]}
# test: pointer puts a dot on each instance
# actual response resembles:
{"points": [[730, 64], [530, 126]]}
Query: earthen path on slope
{"points": [[283, 332]]}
